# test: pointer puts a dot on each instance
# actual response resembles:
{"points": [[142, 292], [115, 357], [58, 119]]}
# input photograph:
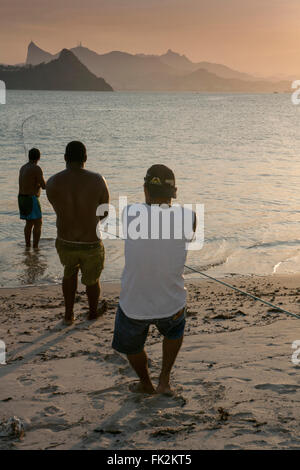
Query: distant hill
{"points": [[182, 63], [122, 70], [36, 55], [64, 73], [174, 60], [225, 72], [168, 72], [202, 81], [126, 71]]}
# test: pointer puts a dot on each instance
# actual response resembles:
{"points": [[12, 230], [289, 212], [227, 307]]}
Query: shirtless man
{"points": [[75, 194], [31, 181]]}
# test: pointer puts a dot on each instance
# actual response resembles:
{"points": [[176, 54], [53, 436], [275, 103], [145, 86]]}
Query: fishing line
{"points": [[254, 297], [22, 130]]}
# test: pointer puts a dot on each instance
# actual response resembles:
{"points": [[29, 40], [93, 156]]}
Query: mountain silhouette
{"points": [[201, 80], [122, 70], [167, 72], [36, 56], [178, 62], [64, 73], [184, 64]]}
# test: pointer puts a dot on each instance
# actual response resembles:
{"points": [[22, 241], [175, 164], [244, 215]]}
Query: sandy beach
{"points": [[235, 384]]}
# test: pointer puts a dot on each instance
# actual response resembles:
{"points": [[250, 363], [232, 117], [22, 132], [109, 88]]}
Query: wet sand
{"points": [[235, 384]]}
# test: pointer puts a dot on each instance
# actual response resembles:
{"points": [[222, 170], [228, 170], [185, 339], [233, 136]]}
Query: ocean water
{"points": [[239, 155]]}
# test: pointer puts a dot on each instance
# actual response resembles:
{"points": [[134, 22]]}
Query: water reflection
{"points": [[35, 265]]}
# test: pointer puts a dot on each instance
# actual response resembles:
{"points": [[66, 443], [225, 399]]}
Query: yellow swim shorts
{"points": [[88, 257]]}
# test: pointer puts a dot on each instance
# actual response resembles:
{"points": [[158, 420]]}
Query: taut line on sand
{"points": [[254, 297]]}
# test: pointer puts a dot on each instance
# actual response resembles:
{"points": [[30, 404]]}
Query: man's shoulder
{"points": [[30, 169], [23, 167], [55, 178], [38, 170], [94, 176]]}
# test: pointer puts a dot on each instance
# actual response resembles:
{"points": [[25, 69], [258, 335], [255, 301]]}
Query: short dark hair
{"points": [[160, 182], [75, 152], [34, 155]]}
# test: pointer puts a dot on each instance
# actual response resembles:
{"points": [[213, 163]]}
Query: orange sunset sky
{"points": [[256, 36]]}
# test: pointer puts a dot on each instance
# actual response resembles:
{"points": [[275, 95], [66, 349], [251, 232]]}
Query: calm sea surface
{"points": [[239, 155]]}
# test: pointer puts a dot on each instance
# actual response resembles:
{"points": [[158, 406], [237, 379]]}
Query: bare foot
{"points": [[101, 310], [138, 387], [69, 321], [165, 390]]}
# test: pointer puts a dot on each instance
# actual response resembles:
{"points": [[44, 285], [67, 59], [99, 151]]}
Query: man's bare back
{"points": [[31, 179], [75, 194]]}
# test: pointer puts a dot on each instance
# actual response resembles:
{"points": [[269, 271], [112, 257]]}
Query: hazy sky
{"points": [[258, 36]]}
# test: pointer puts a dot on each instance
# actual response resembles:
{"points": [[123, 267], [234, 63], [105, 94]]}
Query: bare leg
{"points": [[171, 348], [93, 294], [37, 229], [139, 362], [27, 231], [69, 287]]}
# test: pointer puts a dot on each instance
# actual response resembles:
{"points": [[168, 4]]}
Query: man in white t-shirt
{"points": [[156, 237]]}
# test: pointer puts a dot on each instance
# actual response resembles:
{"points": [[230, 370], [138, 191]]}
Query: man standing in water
{"points": [[31, 181], [75, 194], [152, 283]]}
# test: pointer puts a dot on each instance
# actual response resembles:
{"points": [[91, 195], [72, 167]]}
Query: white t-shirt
{"points": [[156, 240]]}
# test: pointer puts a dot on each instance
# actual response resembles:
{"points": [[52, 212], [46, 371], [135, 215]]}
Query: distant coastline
{"points": [[167, 72], [81, 69], [66, 73]]}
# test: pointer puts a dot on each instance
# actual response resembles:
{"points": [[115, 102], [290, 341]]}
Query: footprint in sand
{"points": [[127, 371], [279, 388], [115, 358], [48, 389], [53, 411], [25, 380]]}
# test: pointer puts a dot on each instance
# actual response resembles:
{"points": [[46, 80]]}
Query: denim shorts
{"points": [[130, 335]]}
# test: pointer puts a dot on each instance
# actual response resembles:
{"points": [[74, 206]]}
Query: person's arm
{"points": [[40, 178], [195, 222], [104, 196], [49, 190]]}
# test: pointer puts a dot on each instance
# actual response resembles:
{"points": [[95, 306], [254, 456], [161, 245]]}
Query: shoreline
{"points": [[192, 279], [234, 381]]}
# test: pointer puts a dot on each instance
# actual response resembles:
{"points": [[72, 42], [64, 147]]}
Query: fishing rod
{"points": [[254, 297], [22, 130]]}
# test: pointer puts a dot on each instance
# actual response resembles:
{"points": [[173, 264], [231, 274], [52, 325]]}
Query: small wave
{"points": [[289, 265], [276, 267], [274, 244]]}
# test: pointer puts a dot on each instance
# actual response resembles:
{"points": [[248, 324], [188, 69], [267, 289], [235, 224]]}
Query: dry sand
{"points": [[236, 386]]}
